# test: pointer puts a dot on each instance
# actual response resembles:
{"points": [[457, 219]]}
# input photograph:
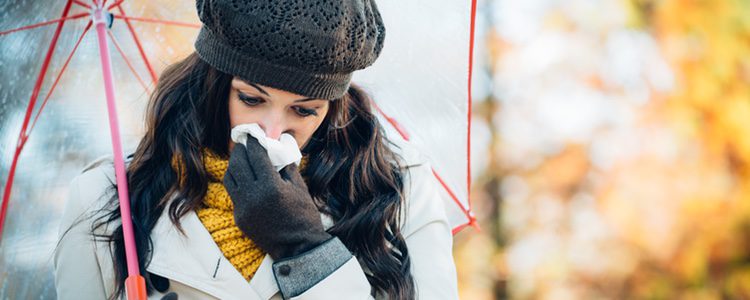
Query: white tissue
{"points": [[282, 152]]}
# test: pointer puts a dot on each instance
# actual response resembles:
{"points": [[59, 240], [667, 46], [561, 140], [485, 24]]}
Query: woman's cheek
{"points": [[300, 142]]}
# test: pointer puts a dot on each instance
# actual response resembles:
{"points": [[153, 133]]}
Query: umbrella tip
{"points": [[473, 223]]}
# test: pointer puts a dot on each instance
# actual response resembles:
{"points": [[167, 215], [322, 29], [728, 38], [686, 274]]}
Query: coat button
{"points": [[161, 284], [285, 269]]}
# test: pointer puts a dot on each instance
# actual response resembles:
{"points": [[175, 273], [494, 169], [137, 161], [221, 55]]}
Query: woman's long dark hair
{"points": [[353, 173]]}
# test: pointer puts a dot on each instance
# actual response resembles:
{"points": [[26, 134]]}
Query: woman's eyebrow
{"points": [[257, 87], [266, 93]]}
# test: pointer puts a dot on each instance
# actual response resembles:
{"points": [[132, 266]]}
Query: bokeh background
{"points": [[610, 142], [611, 147]]}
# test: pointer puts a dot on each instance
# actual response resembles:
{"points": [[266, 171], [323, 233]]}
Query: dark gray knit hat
{"points": [[306, 47]]}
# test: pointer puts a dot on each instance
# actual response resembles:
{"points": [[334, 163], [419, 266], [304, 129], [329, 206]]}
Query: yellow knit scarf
{"points": [[216, 215]]}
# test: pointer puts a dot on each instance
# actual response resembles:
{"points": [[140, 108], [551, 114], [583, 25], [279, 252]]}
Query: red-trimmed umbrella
{"points": [[101, 16], [431, 94]]}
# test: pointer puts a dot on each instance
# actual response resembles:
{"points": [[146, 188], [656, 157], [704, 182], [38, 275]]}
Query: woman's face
{"points": [[276, 111]]}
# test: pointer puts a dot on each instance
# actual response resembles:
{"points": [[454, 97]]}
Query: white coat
{"points": [[197, 269]]}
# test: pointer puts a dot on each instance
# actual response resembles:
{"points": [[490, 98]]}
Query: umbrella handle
{"points": [[135, 287]]}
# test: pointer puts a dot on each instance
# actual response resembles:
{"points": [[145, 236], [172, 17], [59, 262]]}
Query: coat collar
{"points": [[194, 259]]}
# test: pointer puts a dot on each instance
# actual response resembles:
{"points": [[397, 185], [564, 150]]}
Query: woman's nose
{"points": [[273, 126]]}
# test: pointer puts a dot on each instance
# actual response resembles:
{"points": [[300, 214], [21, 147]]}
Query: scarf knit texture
{"points": [[216, 214]]}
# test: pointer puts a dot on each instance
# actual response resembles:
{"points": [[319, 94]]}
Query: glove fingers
{"points": [[239, 167], [257, 157]]}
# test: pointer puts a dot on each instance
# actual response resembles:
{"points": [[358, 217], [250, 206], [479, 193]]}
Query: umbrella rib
{"points": [[472, 220], [82, 4], [127, 61], [472, 23], [76, 16], [138, 44], [401, 130], [167, 22], [57, 79], [405, 135], [22, 135], [117, 3], [452, 194]]}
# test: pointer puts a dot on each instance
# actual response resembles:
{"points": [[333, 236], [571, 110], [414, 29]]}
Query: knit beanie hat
{"points": [[305, 47]]}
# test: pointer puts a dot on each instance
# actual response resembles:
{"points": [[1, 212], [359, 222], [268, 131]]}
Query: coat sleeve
{"points": [[429, 240], [429, 237], [76, 268], [317, 273]]}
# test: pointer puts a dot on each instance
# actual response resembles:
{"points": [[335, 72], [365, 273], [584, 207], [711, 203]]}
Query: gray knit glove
{"points": [[274, 209]]}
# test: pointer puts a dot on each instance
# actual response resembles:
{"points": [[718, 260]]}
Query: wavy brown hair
{"points": [[353, 174]]}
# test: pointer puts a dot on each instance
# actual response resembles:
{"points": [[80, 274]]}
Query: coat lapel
{"points": [[194, 259]]}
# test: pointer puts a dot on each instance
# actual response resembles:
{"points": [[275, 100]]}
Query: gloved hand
{"points": [[274, 209]]}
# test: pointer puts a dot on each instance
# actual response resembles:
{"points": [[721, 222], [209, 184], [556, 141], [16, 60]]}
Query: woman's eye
{"points": [[306, 112], [252, 101]]}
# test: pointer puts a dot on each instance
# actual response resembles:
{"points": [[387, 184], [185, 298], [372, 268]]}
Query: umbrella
{"points": [[101, 19], [429, 44], [450, 94]]}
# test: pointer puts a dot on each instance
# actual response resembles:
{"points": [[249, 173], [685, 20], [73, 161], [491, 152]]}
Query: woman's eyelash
{"points": [[306, 112], [252, 101], [249, 100]]}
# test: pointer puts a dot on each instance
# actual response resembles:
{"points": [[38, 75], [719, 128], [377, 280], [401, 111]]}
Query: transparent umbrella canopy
{"points": [[420, 87], [54, 116]]}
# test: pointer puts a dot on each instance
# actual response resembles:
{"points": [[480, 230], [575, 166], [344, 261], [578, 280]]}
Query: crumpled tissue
{"points": [[282, 152]]}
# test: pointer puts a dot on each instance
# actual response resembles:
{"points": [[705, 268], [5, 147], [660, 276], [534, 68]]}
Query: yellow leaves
{"points": [[669, 188], [564, 171], [707, 43], [738, 284], [735, 124]]}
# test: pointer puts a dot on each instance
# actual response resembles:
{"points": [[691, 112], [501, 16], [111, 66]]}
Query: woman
{"points": [[359, 218]]}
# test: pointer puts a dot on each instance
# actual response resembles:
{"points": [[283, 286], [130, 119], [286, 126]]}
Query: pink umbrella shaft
{"points": [[122, 187]]}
